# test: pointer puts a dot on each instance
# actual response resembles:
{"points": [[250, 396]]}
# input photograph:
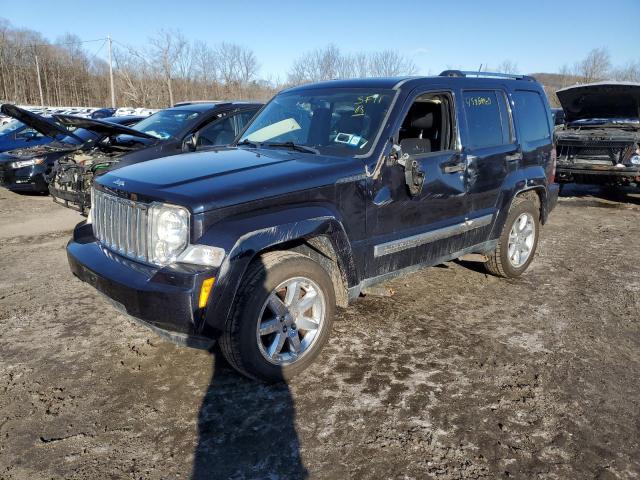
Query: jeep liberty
{"points": [[332, 187]]}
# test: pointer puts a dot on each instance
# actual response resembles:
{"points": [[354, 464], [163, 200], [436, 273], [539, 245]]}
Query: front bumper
{"points": [[79, 201], [28, 179], [163, 299], [585, 173]]}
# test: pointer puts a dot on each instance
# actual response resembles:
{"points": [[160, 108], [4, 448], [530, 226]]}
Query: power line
{"points": [[67, 43], [98, 51]]}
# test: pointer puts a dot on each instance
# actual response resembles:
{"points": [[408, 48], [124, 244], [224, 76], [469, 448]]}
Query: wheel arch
{"points": [[313, 231]]}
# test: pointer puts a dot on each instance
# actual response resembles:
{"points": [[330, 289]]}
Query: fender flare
{"points": [[245, 237], [522, 180]]}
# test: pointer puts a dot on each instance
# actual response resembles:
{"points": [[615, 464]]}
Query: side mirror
{"points": [[413, 174], [190, 143]]}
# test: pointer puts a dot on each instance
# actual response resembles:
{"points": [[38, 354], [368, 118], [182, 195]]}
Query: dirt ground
{"points": [[457, 375]]}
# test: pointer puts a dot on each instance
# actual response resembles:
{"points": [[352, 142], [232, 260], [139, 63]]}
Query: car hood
{"points": [[37, 122], [221, 177], [53, 148], [600, 100], [101, 127]]}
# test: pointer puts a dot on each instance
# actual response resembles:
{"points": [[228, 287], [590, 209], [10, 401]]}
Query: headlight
{"points": [[169, 232], [635, 160], [27, 163]]}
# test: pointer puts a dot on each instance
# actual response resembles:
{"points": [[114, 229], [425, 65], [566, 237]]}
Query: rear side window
{"points": [[531, 114], [487, 119]]}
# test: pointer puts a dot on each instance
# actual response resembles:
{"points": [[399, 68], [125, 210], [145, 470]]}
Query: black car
{"points": [[183, 128], [600, 143], [28, 169], [332, 187]]}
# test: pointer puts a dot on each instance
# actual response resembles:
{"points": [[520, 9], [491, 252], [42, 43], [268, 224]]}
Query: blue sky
{"points": [[437, 34]]}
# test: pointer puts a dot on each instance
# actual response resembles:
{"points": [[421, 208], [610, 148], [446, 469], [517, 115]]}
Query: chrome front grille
{"points": [[121, 224]]}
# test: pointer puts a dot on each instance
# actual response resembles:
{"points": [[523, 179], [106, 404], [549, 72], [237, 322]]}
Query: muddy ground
{"points": [[457, 375]]}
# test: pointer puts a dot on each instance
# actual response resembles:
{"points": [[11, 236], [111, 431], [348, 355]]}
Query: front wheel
{"points": [[518, 241], [282, 317]]}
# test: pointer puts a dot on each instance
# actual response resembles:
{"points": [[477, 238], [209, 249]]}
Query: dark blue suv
{"points": [[331, 188]]}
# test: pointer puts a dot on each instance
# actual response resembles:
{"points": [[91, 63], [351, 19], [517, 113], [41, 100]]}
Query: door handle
{"points": [[513, 157], [455, 168]]}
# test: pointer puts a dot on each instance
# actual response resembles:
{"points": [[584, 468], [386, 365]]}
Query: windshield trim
{"points": [[376, 139]]}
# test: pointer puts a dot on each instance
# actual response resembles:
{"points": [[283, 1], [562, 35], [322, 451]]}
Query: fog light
{"points": [[202, 255], [205, 290]]}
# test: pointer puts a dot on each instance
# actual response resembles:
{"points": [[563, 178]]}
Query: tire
{"points": [[500, 262], [241, 342]]}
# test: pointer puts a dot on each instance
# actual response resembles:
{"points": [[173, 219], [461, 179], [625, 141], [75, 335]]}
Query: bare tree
{"points": [[329, 62], [508, 66], [390, 63], [168, 47], [595, 66], [627, 73]]}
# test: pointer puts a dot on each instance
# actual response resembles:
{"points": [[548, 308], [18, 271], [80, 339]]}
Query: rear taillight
{"points": [[551, 177]]}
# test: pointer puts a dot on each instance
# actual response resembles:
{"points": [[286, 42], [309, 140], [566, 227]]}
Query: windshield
{"points": [[342, 122], [165, 123], [10, 126]]}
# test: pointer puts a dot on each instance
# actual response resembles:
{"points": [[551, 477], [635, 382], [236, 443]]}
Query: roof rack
{"points": [[195, 102], [466, 73]]}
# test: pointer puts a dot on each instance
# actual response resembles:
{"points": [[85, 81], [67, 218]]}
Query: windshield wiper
{"points": [[247, 143], [292, 146]]}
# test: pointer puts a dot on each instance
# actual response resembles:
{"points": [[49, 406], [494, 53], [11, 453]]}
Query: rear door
{"points": [[491, 150], [533, 124]]}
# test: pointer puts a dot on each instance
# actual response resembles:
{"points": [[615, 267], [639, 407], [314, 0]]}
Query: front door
{"points": [[407, 228]]}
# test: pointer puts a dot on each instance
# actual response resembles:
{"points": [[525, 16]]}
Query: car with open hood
{"points": [[15, 135], [600, 141], [332, 187], [28, 169], [184, 128]]}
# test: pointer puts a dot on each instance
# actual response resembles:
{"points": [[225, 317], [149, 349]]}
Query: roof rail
{"points": [[195, 102], [466, 73]]}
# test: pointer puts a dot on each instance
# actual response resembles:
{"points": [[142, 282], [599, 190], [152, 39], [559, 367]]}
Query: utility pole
{"points": [[113, 92], [39, 80]]}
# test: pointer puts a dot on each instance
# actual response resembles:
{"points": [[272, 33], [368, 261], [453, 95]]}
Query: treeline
{"points": [[171, 68], [168, 70]]}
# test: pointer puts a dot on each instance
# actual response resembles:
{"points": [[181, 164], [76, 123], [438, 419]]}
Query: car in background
{"points": [[600, 142], [14, 134], [28, 169], [184, 128], [103, 113]]}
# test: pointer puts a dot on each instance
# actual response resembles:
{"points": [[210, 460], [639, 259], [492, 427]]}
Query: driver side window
{"points": [[217, 132], [429, 125]]}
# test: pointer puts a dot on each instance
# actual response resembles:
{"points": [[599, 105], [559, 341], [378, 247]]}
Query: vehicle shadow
{"points": [[246, 429]]}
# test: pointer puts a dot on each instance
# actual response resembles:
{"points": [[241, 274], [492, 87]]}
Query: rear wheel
{"points": [[282, 317], [518, 241]]}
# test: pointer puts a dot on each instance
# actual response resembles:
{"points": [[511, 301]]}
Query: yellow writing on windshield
{"points": [[359, 107]]}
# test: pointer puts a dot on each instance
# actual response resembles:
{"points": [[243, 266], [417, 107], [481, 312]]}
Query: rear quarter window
{"points": [[531, 115], [487, 119]]}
